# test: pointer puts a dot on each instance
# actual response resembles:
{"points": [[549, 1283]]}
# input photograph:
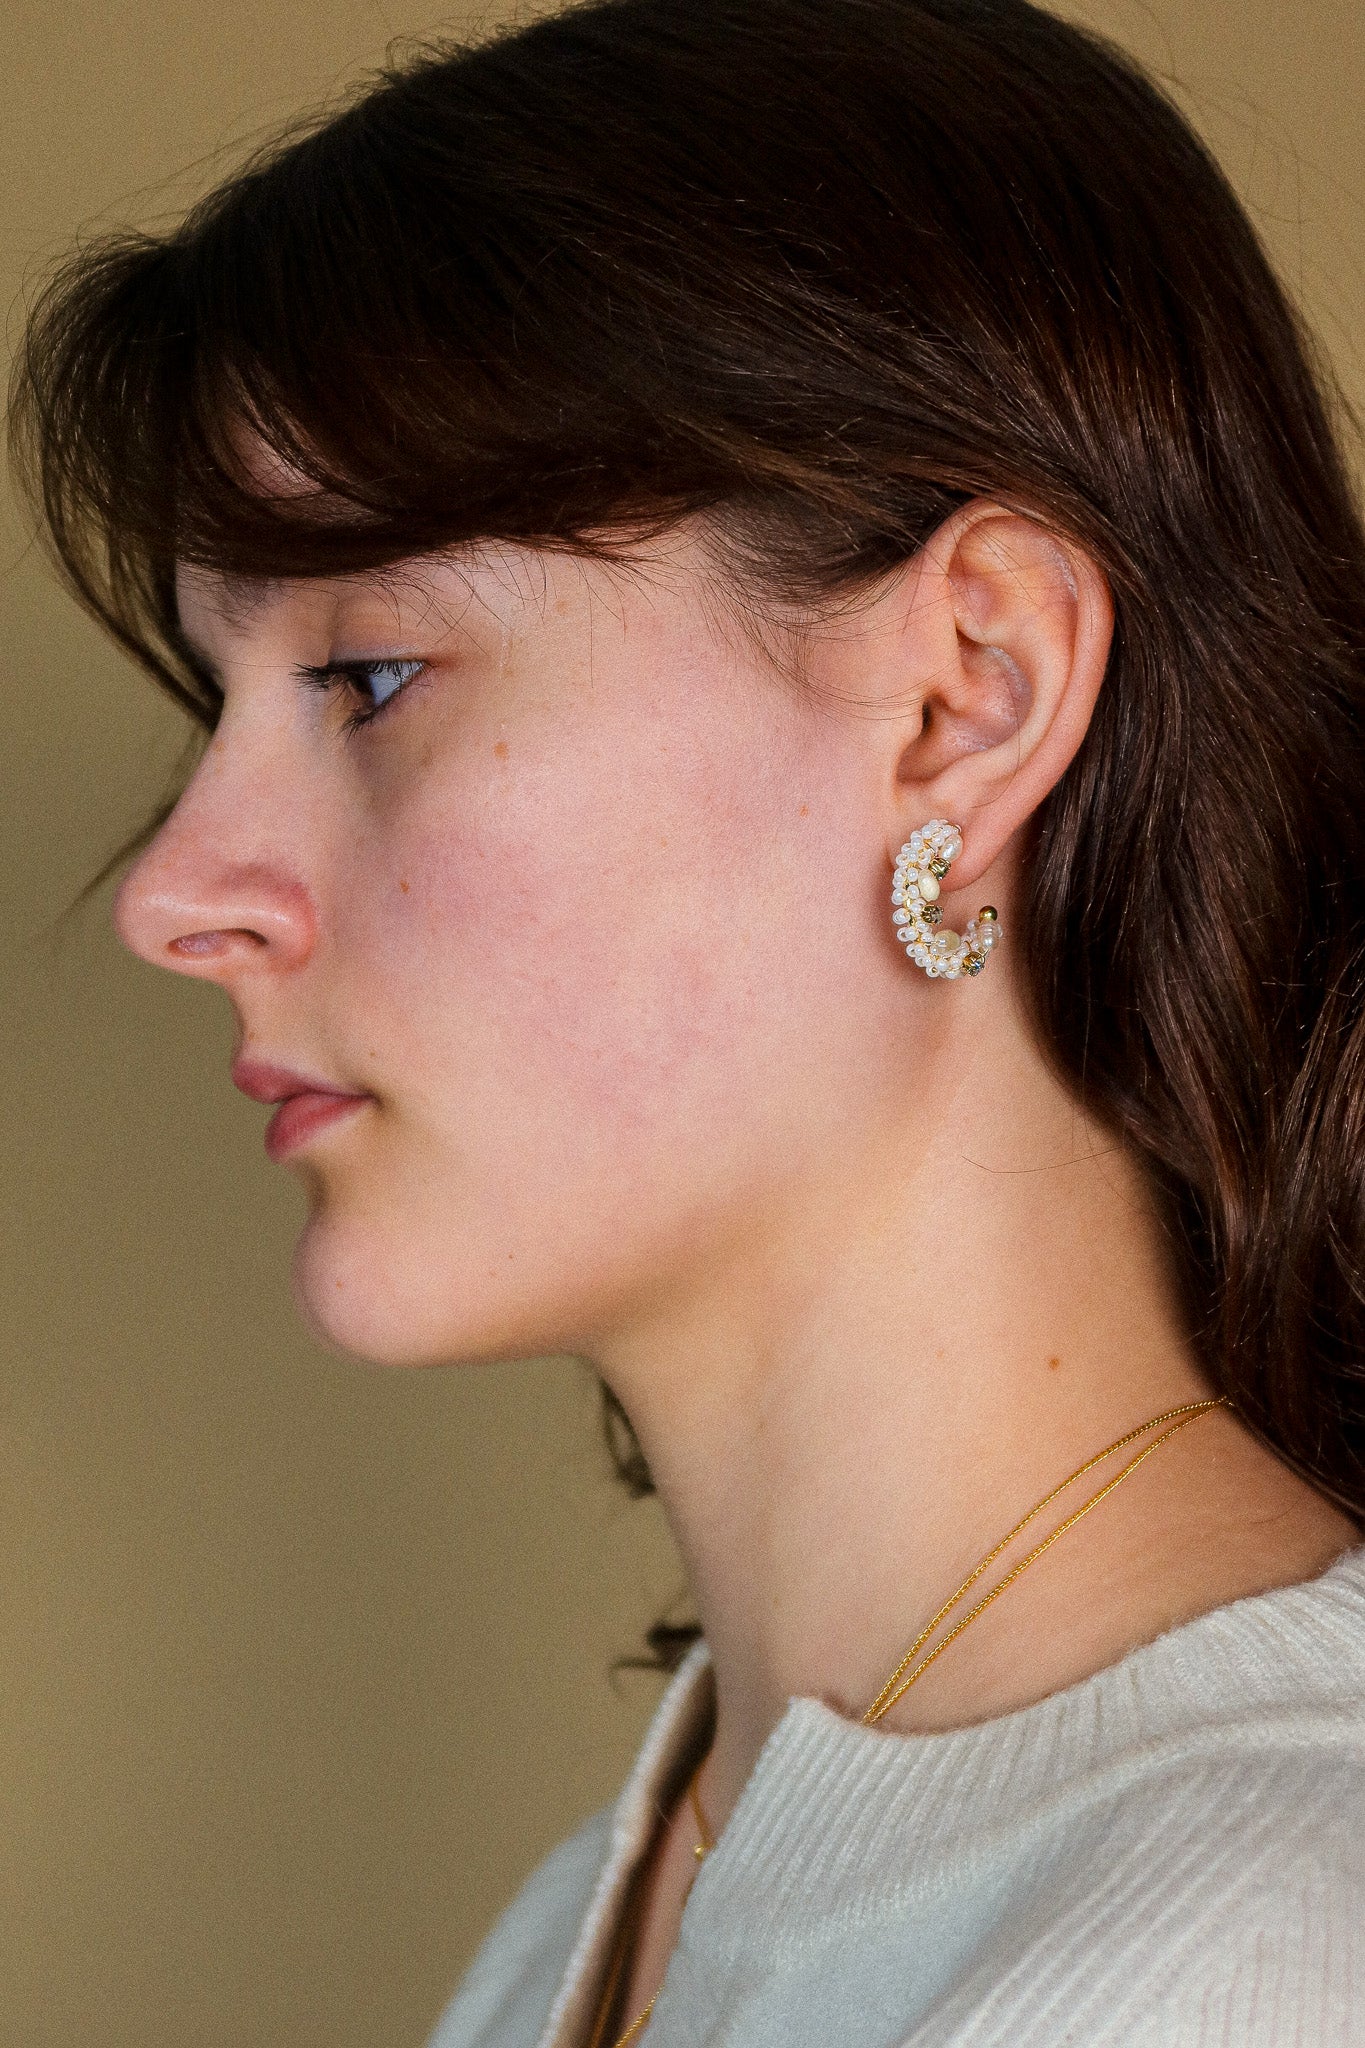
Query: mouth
{"points": [[305, 1106]]}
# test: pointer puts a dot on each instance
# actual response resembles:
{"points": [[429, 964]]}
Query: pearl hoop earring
{"points": [[921, 865]]}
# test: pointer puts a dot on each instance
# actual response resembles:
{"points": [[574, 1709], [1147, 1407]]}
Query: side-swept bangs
{"points": [[490, 300]]}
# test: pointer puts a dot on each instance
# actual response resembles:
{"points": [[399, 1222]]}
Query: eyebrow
{"points": [[239, 597], [199, 655]]}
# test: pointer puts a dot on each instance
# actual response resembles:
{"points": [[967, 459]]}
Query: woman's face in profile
{"points": [[550, 867]]}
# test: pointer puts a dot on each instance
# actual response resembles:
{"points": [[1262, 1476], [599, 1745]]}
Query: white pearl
{"points": [[952, 846], [900, 917], [928, 888]]}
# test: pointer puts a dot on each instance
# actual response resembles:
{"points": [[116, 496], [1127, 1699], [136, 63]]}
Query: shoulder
{"points": [[1172, 1855], [506, 1994], [1270, 1949], [1224, 1902]]}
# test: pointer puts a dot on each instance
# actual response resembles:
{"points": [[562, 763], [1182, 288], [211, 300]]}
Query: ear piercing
{"points": [[923, 862]]}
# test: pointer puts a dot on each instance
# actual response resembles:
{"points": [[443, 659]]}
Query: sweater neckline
{"points": [[840, 1823], [829, 1795]]}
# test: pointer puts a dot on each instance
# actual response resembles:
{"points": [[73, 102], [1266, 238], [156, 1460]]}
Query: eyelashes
{"points": [[373, 685]]}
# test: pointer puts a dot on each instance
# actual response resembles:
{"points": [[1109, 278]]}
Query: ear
{"points": [[1007, 635]]}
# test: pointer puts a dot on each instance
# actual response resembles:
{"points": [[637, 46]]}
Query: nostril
{"points": [[211, 945]]}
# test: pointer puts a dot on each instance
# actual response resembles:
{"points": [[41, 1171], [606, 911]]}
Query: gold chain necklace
{"points": [[895, 1685], [625, 1937], [904, 1676]]}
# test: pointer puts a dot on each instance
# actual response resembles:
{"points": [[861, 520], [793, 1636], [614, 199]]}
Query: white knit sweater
{"points": [[1170, 1854]]}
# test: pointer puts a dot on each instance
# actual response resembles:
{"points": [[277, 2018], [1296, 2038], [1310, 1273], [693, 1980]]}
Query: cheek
{"points": [[566, 963], [597, 999]]}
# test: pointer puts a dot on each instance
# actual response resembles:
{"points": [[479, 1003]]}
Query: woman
{"points": [[782, 625]]}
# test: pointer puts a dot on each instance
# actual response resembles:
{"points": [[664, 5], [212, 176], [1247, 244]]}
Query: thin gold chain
{"points": [[706, 1844], [892, 1690], [703, 1849], [609, 1989], [633, 2029], [902, 1678]]}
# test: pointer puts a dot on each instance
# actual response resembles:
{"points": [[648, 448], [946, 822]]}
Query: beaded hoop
{"points": [[923, 861]]}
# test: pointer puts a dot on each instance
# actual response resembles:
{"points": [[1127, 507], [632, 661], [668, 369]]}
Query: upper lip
{"points": [[266, 1083]]}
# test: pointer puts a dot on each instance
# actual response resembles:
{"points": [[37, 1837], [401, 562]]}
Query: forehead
{"points": [[210, 596], [215, 608], [491, 590]]}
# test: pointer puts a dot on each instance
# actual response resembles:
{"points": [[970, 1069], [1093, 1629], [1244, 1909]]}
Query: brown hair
{"points": [[822, 270]]}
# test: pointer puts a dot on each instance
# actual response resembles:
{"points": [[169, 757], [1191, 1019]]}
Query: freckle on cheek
{"points": [[404, 887], [805, 810], [501, 750]]}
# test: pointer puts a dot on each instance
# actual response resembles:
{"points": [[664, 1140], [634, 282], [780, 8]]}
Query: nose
{"points": [[208, 898]]}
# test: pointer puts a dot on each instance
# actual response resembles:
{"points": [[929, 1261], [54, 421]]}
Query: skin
{"points": [[596, 914]]}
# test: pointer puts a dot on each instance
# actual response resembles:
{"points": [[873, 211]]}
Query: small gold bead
{"points": [[989, 911]]}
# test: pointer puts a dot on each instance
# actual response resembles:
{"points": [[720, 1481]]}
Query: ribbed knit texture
{"points": [[1170, 1854]]}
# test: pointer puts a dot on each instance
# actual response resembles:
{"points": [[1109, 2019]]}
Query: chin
{"points": [[360, 1296]]}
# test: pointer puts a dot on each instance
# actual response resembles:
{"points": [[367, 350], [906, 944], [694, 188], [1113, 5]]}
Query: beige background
{"points": [[303, 1665]]}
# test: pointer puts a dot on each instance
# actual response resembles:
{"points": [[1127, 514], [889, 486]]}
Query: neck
{"points": [[851, 1403]]}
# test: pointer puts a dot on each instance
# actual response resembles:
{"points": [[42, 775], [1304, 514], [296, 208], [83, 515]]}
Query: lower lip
{"points": [[301, 1117]]}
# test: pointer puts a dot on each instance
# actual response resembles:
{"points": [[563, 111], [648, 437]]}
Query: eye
{"points": [[384, 679], [374, 684]]}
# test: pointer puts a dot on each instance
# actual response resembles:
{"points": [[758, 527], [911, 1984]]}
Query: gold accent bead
{"points": [[988, 912]]}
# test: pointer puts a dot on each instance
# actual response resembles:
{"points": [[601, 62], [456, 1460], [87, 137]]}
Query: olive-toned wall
{"points": [[302, 1664]]}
